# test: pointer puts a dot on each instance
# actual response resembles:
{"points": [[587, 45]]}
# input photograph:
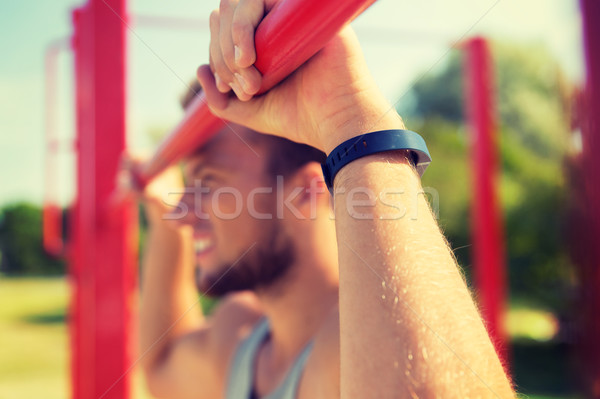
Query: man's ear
{"points": [[311, 193]]}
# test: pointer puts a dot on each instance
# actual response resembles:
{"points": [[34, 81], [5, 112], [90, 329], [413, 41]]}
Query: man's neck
{"points": [[298, 306]]}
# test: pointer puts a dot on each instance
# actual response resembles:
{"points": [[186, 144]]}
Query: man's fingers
{"points": [[226, 11], [126, 187], [223, 75], [126, 162], [246, 79], [249, 80], [216, 99], [229, 107], [127, 167], [246, 18]]}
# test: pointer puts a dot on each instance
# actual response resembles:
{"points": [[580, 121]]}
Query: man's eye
{"points": [[208, 178]]}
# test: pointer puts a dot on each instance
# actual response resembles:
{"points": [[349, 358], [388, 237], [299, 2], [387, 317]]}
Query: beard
{"points": [[265, 264]]}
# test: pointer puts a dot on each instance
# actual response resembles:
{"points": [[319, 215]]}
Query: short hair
{"points": [[285, 156]]}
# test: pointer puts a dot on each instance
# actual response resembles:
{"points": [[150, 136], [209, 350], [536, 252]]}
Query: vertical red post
{"points": [[587, 196], [52, 228], [486, 220], [103, 258], [52, 212]]}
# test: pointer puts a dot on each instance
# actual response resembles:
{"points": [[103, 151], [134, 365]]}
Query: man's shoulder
{"points": [[237, 309], [232, 320], [198, 362]]}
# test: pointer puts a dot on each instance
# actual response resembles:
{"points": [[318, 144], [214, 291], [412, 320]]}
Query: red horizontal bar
{"points": [[288, 36]]}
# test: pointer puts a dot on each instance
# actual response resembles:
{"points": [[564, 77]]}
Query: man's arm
{"points": [[408, 324], [183, 354], [169, 305], [409, 327]]}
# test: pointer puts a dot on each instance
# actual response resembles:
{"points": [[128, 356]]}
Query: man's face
{"points": [[239, 243]]}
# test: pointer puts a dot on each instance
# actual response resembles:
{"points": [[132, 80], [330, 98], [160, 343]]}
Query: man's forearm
{"points": [[169, 305], [408, 323]]}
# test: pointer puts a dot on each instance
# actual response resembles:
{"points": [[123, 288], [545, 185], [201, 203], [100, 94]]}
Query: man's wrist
{"points": [[363, 145], [367, 171], [361, 118], [157, 213]]}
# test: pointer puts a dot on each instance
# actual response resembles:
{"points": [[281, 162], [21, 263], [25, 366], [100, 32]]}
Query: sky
{"points": [[402, 41]]}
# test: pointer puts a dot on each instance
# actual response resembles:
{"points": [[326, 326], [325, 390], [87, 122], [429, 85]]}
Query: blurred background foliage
{"points": [[21, 251], [533, 100]]}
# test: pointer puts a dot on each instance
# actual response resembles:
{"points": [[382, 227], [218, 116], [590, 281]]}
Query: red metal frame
{"points": [[587, 198], [52, 228], [288, 36], [486, 218], [104, 250]]}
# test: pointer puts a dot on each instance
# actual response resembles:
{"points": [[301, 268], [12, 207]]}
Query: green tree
{"points": [[21, 242], [533, 130]]}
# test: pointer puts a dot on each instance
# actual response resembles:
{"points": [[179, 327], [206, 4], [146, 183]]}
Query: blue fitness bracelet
{"points": [[372, 143]]}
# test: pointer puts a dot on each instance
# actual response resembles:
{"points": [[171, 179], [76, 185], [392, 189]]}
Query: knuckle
{"points": [[239, 28], [216, 111], [223, 71], [228, 57]]}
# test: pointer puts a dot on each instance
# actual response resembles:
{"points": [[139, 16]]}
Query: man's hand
{"points": [[329, 99], [161, 193]]}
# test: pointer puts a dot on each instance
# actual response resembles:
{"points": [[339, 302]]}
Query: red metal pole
{"points": [[103, 261], [587, 196], [288, 36], [486, 220], [52, 213], [52, 229]]}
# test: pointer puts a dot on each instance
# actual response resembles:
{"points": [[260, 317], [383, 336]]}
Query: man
{"points": [[369, 304]]}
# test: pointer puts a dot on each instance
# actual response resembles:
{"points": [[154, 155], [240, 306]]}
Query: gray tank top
{"points": [[240, 383]]}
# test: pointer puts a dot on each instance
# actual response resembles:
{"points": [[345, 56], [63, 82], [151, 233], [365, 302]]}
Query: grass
{"points": [[34, 346], [33, 354]]}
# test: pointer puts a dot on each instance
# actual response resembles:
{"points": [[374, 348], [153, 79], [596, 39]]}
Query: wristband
{"points": [[372, 143]]}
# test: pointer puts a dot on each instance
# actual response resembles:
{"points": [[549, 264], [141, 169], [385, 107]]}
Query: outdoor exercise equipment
{"points": [[103, 245], [487, 232], [52, 214], [586, 195]]}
